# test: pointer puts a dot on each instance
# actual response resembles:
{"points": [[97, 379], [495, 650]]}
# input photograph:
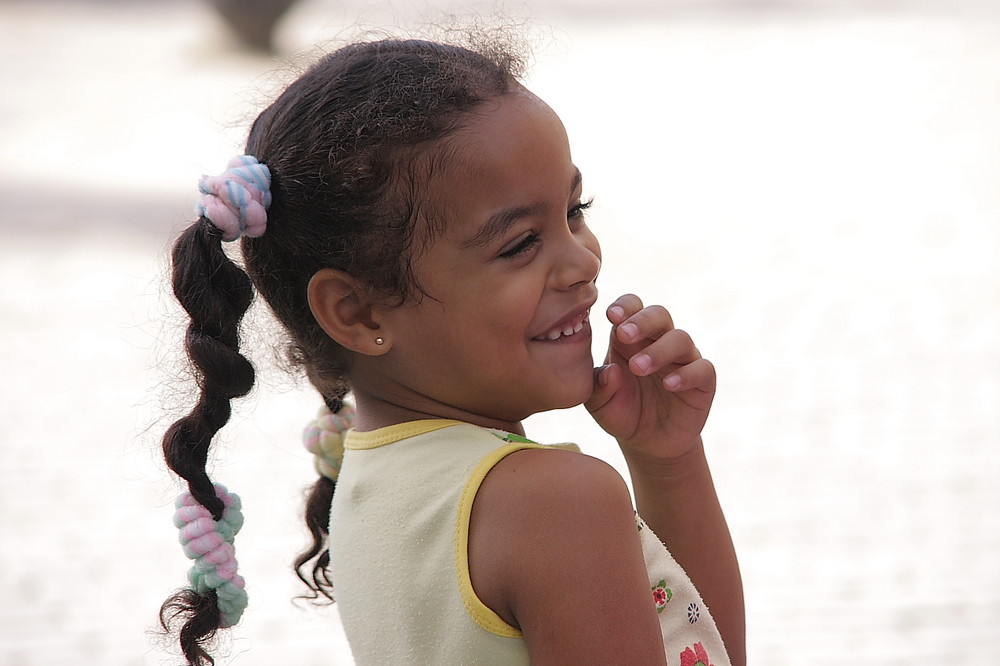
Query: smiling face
{"points": [[503, 330]]}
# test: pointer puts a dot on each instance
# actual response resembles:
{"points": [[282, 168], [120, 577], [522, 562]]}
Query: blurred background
{"points": [[810, 186]]}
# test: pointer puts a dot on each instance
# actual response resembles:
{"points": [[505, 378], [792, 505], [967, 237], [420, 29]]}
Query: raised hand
{"points": [[655, 390]]}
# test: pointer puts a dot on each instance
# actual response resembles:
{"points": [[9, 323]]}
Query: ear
{"points": [[344, 309]]}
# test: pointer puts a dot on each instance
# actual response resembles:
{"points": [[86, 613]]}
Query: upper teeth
{"points": [[554, 335]]}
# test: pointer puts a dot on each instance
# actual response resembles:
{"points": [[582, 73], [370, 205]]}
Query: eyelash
{"points": [[577, 212], [529, 242]]}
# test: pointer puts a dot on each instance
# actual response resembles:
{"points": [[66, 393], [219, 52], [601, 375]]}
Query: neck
{"points": [[379, 411]]}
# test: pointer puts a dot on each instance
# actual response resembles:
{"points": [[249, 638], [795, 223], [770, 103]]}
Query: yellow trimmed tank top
{"points": [[399, 554]]}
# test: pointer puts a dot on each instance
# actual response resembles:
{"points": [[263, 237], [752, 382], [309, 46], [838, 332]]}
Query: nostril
{"points": [[577, 262]]}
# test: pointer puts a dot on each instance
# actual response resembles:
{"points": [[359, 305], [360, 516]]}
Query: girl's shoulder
{"points": [[553, 530], [554, 476], [546, 491]]}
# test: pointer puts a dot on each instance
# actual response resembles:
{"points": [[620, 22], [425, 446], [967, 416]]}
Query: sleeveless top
{"points": [[399, 554]]}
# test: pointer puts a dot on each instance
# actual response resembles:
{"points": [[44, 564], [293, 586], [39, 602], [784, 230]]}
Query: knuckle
{"points": [[683, 337], [631, 300]]}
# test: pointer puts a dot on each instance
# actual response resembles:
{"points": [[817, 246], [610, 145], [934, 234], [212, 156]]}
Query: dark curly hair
{"points": [[348, 146]]}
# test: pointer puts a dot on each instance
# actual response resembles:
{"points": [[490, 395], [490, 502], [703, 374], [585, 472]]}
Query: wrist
{"points": [[659, 467], [675, 496]]}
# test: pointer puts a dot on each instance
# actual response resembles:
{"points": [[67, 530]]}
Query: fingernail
{"points": [[641, 363], [616, 313], [672, 381], [629, 331], [602, 375]]}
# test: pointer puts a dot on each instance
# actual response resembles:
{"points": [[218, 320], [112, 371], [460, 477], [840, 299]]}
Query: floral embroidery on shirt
{"points": [[695, 656], [693, 612], [661, 595]]}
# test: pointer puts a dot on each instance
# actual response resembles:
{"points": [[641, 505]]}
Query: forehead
{"points": [[515, 127], [512, 151]]}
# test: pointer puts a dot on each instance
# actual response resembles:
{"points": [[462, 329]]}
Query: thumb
{"points": [[607, 381]]}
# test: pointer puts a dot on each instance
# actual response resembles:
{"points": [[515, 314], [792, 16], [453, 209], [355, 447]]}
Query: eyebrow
{"points": [[502, 220]]}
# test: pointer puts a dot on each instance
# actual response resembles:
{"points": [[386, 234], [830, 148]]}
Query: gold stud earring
{"points": [[379, 341]]}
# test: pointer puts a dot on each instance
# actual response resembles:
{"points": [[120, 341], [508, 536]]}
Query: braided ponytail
{"points": [[216, 294], [347, 142]]}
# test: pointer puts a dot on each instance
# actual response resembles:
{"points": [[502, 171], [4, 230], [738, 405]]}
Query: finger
{"points": [[607, 381], [623, 308], [698, 375], [649, 323], [673, 348]]}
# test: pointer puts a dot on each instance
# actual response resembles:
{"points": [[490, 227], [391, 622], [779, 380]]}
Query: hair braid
{"points": [[317, 518], [216, 294], [347, 145]]}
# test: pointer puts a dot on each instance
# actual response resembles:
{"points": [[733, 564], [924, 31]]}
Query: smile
{"points": [[566, 330]]}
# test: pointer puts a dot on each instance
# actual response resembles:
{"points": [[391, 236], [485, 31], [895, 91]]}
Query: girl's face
{"points": [[503, 330]]}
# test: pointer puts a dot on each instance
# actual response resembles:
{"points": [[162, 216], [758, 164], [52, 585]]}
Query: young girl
{"points": [[413, 216]]}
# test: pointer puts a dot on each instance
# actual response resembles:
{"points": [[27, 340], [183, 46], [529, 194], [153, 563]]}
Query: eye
{"points": [[579, 211], [525, 244]]}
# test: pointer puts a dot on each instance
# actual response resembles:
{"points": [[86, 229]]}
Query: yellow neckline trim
{"points": [[372, 439]]}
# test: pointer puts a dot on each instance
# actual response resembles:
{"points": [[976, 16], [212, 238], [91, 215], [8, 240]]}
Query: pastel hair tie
{"points": [[324, 438], [209, 543], [236, 201]]}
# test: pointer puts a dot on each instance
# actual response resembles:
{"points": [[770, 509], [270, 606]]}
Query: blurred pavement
{"points": [[812, 188]]}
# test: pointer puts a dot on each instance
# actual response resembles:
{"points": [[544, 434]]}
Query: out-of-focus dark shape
{"points": [[253, 21]]}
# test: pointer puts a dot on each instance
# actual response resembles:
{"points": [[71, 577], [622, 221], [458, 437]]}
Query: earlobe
{"points": [[345, 311]]}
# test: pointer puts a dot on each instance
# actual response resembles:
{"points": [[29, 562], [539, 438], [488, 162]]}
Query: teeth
{"points": [[555, 335]]}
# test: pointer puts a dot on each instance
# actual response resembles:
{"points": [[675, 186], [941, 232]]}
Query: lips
{"points": [[567, 327], [566, 332]]}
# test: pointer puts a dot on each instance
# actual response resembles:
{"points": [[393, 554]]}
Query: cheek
{"points": [[526, 292], [497, 315], [515, 311]]}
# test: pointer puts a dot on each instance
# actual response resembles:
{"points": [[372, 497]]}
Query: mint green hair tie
{"points": [[209, 543], [324, 438]]}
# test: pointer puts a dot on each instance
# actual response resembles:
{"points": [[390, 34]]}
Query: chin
{"points": [[578, 395]]}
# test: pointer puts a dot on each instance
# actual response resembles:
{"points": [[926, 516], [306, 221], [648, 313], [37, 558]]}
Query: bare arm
{"points": [[677, 500], [654, 395], [554, 551]]}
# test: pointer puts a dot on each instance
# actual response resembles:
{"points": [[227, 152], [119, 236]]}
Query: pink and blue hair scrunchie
{"points": [[236, 201], [209, 543], [324, 438]]}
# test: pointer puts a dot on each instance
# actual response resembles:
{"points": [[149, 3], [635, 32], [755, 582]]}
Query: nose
{"points": [[578, 261]]}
